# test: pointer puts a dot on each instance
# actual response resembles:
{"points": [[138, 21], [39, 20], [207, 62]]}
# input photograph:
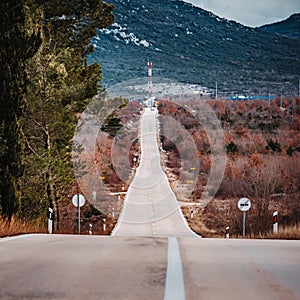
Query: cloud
{"points": [[250, 13]]}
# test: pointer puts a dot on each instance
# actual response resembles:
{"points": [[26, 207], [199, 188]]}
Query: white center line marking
{"points": [[174, 289]]}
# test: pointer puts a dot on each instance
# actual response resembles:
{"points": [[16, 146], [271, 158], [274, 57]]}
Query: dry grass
{"points": [[16, 227], [284, 233], [199, 225]]}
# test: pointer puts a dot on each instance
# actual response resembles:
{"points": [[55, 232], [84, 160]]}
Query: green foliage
{"points": [[62, 84], [17, 45], [237, 57], [47, 83], [232, 148], [289, 150], [112, 125], [226, 118], [91, 211], [269, 125], [274, 146]]}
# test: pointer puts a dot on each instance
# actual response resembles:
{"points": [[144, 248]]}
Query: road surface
{"points": [[94, 267], [152, 255], [151, 207]]}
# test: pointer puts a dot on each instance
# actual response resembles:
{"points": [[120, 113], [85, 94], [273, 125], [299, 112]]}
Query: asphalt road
{"points": [[82, 267], [94, 267], [151, 207], [152, 255]]}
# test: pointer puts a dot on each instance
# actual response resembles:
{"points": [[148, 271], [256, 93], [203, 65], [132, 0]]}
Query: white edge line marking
{"points": [[174, 288]]}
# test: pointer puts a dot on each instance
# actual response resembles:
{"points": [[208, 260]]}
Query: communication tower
{"points": [[150, 78]]}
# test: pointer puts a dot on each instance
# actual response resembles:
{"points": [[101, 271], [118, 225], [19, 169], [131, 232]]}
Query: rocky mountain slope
{"points": [[189, 44], [289, 28]]}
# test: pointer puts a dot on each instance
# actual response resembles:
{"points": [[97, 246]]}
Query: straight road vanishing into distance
{"points": [[152, 254]]}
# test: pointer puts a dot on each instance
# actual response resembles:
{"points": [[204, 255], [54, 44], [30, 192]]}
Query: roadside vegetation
{"points": [[46, 83], [15, 226], [262, 144]]}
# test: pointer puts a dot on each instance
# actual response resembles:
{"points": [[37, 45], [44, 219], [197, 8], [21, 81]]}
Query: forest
{"points": [[46, 83]]}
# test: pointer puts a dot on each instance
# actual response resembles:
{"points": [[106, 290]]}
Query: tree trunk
{"points": [[50, 184]]}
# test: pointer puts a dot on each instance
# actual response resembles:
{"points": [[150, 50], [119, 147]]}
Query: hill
{"points": [[289, 28], [189, 44]]}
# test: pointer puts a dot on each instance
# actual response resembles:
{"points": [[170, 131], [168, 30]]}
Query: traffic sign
{"points": [[244, 204], [78, 199], [189, 181]]}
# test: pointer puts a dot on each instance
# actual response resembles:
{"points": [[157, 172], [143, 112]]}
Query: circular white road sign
{"points": [[80, 198], [244, 204]]}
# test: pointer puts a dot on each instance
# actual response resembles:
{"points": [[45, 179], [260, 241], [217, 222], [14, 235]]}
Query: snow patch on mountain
{"points": [[121, 33]]}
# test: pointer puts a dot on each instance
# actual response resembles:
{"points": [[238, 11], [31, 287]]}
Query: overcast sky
{"points": [[251, 13]]}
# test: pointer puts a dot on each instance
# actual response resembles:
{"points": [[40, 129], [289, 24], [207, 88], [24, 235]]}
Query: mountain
{"points": [[192, 45], [289, 28]]}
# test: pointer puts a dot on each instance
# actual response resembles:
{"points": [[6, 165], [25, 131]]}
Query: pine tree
{"points": [[61, 85], [45, 83]]}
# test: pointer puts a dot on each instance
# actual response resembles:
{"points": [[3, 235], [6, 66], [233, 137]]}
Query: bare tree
{"points": [[261, 182]]}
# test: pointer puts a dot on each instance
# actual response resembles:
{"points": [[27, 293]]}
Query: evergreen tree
{"points": [[45, 83], [61, 85], [232, 148], [19, 41]]}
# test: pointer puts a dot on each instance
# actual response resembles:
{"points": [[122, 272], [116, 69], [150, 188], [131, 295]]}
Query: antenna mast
{"points": [[150, 78]]}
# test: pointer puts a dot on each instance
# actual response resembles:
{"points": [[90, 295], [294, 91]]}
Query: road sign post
{"points": [[78, 213], [244, 223], [78, 200], [275, 222], [244, 205]]}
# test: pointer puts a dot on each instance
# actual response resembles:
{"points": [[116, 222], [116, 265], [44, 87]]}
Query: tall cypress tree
{"points": [[18, 43]]}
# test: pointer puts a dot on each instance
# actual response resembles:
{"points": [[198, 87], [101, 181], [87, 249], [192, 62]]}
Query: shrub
{"points": [[232, 148], [274, 146]]}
